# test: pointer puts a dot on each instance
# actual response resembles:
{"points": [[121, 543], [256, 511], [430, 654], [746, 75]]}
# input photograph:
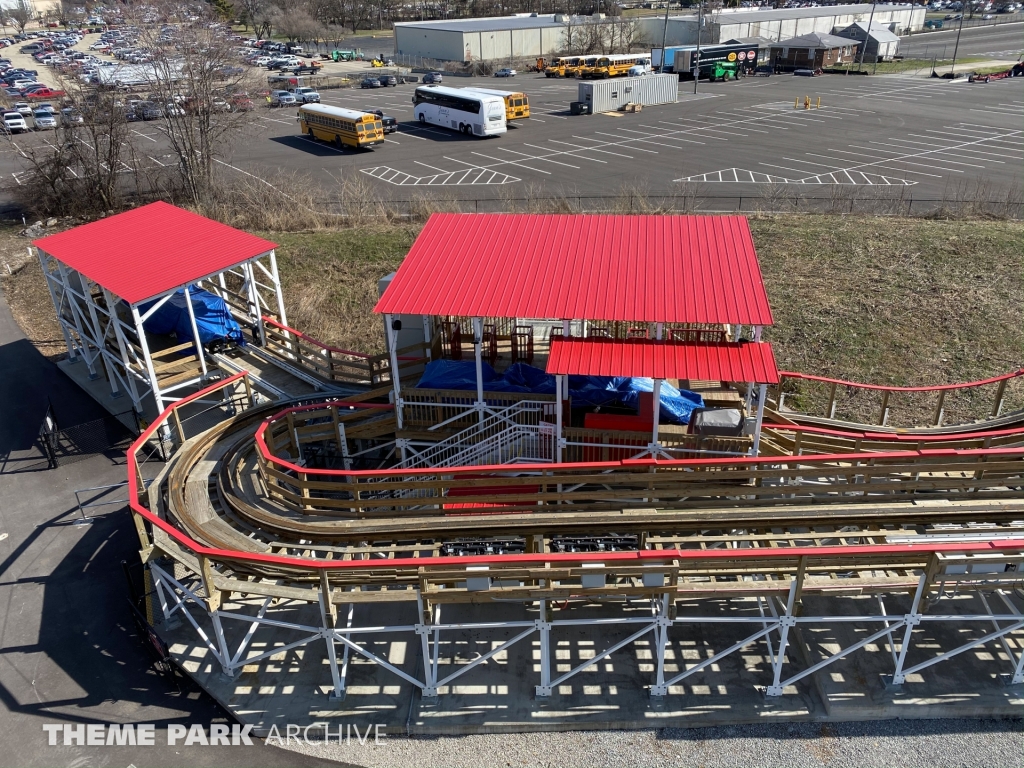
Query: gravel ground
{"points": [[886, 744]]}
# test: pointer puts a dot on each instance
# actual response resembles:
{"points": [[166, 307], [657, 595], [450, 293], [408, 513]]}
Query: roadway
{"points": [[1002, 41]]}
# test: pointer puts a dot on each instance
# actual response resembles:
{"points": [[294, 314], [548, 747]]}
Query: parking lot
{"points": [[880, 131], [928, 136]]}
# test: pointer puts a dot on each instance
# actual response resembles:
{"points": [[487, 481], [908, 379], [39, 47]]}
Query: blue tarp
{"points": [[213, 318], [585, 391]]}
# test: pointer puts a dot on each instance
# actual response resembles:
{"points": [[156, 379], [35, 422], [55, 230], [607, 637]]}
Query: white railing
{"points": [[515, 433]]}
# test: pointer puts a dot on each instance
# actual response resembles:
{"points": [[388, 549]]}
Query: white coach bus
{"points": [[475, 114]]}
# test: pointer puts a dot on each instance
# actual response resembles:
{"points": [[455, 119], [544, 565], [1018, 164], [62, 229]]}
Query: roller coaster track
{"points": [[225, 490], [242, 523]]}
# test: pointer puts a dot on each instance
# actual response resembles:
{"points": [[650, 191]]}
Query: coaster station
{"points": [[333, 520]]}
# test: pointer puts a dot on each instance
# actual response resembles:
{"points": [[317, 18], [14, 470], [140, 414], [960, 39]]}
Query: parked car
{"points": [[505, 72], [805, 72], [14, 122], [386, 80], [44, 121], [370, 82], [390, 123], [149, 111], [44, 93], [240, 102], [432, 77], [281, 99], [23, 107], [70, 115], [306, 95], [763, 71]]}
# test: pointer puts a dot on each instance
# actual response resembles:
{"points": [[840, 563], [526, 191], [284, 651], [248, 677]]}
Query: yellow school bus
{"points": [[341, 127], [569, 66], [616, 65], [517, 105]]}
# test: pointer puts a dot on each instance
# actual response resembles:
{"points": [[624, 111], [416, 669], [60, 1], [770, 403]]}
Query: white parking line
{"points": [[581, 157], [531, 157], [431, 167], [621, 138], [143, 135], [591, 149], [945, 160], [881, 167], [500, 161]]}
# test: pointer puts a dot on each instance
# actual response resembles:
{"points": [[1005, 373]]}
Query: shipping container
{"points": [[610, 95]]}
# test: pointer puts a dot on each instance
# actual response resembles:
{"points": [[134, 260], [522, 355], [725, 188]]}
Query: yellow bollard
{"points": [[819, 103], [796, 103], [807, 102]]}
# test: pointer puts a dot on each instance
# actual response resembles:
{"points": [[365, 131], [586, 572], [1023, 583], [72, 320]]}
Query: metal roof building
{"points": [[494, 38], [699, 273], [782, 23], [107, 278], [657, 269]]}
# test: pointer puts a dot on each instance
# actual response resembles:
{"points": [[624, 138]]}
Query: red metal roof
{"points": [[731, 361], [688, 269], [151, 250]]}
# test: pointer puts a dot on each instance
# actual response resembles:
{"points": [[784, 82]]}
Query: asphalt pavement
{"points": [[70, 652], [1003, 40]]}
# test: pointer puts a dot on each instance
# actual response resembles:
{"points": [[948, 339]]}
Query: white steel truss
{"points": [[773, 625], [107, 334]]}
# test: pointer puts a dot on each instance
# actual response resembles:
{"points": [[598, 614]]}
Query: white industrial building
{"points": [[527, 36], [488, 39], [781, 24]]}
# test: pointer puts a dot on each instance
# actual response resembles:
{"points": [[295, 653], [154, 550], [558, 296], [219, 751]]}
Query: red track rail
{"points": [[643, 556]]}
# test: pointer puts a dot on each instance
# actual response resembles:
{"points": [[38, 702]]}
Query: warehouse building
{"points": [[781, 24], [497, 38], [530, 36]]}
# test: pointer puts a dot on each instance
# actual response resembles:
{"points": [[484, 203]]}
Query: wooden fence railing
{"points": [[886, 396], [334, 364], [615, 485]]}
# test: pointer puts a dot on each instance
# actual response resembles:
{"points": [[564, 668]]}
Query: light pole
{"points": [[700, 29], [956, 46], [867, 39], [664, 38]]}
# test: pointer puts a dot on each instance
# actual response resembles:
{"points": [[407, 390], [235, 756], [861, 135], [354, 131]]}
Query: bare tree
{"points": [[91, 164], [63, 12], [297, 25], [256, 14], [194, 76], [21, 14]]}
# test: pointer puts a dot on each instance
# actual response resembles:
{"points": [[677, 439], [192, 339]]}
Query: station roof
{"points": [[671, 269], [149, 251], [726, 361]]}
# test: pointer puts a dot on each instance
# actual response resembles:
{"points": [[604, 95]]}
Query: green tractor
{"points": [[724, 70]]}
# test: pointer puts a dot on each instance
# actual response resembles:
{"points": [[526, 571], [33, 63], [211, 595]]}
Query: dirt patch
{"points": [[27, 295]]}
